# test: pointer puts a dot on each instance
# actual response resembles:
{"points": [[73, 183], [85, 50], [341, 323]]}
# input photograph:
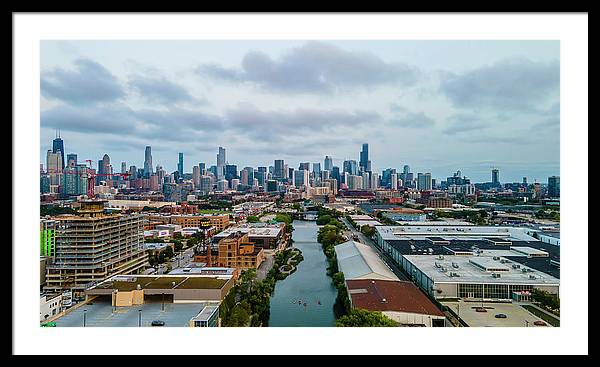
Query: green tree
{"points": [[253, 219], [360, 317], [178, 245], [367, 230]]}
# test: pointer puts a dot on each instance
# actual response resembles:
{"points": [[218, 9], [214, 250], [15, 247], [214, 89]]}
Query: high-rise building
{"points": [[354, 182], [278, 171], [92, 246], [71, 160], [196, 176], [317, 169], [271, 186], [53, 165], [351, 167], [364, 157], [423, 181], [304, 166], [180, 165], [394, 181], [244, 177], [74, 180], [374, 184], [328, 164], [147, 162], [123, 167], [58, 145], [222, 185], [221, 159], [496, 177], [231, 172], [202, 168], [301, 178], [525, 181], [554, 186]]}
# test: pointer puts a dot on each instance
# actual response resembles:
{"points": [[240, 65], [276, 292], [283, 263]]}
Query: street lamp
{"points": [[84, 312], [140, 318], [162, 306]]}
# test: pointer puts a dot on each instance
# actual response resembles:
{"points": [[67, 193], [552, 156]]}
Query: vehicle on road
{"points": [[158, 323], [500, 316], [539, 323]]}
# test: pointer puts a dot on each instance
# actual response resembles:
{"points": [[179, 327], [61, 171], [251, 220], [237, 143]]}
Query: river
{"points": [[309, 283]]}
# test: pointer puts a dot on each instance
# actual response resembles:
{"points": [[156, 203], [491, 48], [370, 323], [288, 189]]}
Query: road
{"points": [[263, 269], [383, 256]]}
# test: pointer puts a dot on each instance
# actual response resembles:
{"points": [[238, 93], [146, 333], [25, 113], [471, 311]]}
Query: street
{"points": [[367, 241]]}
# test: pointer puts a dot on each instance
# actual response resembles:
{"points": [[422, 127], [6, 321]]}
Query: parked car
{"points": [[500, 316], [480, 309], [539, 323], [158, 323]]}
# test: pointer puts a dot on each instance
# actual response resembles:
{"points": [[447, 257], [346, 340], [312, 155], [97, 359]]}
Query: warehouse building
{"points": [[401, 301], [475, 277], [359, 261]]}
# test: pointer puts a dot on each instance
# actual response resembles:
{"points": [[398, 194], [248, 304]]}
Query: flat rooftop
{"points": [[100, 313], [516, 316], [261, 230], [452, 232], [388, 295], [130, 282], [469, 270]]}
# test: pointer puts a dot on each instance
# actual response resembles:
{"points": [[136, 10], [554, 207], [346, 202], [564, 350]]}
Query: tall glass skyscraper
{"points": [[58, 145], [328, 163], [180, 165], [364, 157], [148, 162]]}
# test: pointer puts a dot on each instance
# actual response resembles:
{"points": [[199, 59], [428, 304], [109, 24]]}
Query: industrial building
{"points": [[93, 245], [360, 261], [475, 277], [401, 301]]}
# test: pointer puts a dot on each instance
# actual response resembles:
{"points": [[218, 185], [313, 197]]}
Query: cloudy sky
{"points": [[438, 106]]}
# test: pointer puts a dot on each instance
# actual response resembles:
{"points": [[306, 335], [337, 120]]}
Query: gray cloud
{"points": [[160, 90], [108, 119], [460, 123], [247, 118], [516, 84], [315, 67], [89, 83], [412, 120]]}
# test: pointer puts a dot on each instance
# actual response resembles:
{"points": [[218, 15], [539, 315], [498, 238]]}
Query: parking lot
{"points": [[516, 315]]}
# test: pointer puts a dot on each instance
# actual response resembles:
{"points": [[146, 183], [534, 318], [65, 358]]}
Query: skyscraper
{"points": [[71, 160], [364, 157], [317, 169], [423, 181], [495, 177], [57, 145], [304, 166], [202, 168], [221, 159], [278, 172], [53, 162], [351, 167], [328, 163], [554, 186], [180, 165], [147, 162]]}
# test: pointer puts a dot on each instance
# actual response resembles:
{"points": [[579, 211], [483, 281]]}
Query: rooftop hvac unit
{"points": [[455, 265], [516, 266], [524, 270], [436, 264], [495, 275], [496, 257], [441, 257], [531, 276]]}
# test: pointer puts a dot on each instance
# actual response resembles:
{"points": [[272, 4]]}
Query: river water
{"points": [[309, 283]]}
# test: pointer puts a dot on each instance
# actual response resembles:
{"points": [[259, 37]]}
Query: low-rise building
{"points": [[50, 305], [401, 301]]}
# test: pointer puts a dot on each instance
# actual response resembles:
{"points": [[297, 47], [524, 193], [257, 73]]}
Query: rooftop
{"points": [[103, 314], [130, 282], [452, 232], [386, 295], [359, 261], [478, 269]]}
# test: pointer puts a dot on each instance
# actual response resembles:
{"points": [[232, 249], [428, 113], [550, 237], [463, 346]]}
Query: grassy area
{"points": [[542, 315]]}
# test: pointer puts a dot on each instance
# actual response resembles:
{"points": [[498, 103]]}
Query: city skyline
{"points": [[266, 100]]}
